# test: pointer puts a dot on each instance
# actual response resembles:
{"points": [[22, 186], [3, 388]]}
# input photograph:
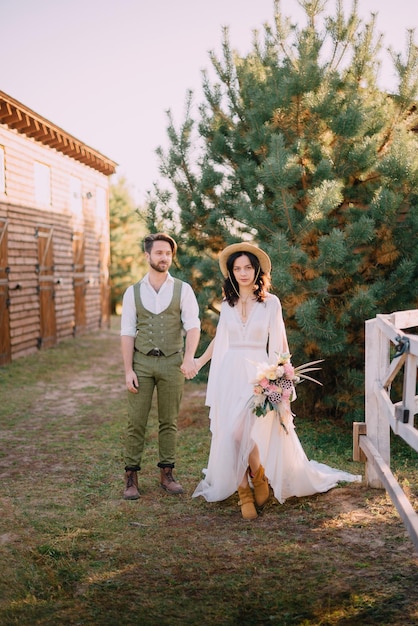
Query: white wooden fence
{"points": [[389, 351]]}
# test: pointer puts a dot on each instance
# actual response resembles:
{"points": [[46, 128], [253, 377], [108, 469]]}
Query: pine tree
{"points": [[127, 229], [303, 153]]}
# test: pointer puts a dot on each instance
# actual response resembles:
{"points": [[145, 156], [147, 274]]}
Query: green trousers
{"points": [[161, 373]]}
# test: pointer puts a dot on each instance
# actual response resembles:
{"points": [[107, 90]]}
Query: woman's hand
{"points": [[188, 367]]}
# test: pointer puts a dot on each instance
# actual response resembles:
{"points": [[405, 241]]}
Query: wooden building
{"points": [[54, 233]]}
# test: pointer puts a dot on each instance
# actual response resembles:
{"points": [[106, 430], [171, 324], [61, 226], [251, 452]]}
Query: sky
{"points": [[106, 71]]}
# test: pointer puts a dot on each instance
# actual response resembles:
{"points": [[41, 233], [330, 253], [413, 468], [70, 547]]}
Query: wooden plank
{"points": [[48, 333], [408, 433], [395, 366], [377, 363], [387, 411], [5, 343], [359, 428], [30, 334], [410, 386], [394, 332], [397, 495], [405, 319]]}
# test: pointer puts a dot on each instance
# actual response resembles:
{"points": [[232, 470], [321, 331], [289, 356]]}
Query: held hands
{"points": [[189, 367], [132, 382]]}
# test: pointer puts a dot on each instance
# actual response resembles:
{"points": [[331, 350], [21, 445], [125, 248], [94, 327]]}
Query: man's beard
{"points": [[157, 268]]}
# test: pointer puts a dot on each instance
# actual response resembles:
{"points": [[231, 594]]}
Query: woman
{"points": [[248, 452]]}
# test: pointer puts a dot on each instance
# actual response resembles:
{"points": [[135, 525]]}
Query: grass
{"points": [[73, 552]]}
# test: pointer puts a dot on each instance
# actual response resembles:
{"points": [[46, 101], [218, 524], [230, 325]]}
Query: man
{"points": [[156, 314]]}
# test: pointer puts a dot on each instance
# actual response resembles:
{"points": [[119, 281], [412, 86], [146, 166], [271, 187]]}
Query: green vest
{"points": [[163, 330]]}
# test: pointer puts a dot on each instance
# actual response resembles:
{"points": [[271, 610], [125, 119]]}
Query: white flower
{"points": [[279, 371]]}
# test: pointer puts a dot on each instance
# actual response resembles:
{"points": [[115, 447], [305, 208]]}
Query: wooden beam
{"points": [[404, 319], [376, 365], [359, 428], [19, 117], [36, 131], [394, 368], [398, 497], [54, 140], [22, 124], [6, 112]]}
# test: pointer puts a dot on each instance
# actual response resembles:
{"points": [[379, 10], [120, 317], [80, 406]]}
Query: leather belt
{"points": [[155, 352]]}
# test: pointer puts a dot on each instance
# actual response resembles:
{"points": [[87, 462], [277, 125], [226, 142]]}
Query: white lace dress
{"points": [[235, 429]]}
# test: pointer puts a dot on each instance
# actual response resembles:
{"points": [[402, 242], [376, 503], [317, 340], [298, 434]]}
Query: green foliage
{"points": [[301, 152], [126, 233]]}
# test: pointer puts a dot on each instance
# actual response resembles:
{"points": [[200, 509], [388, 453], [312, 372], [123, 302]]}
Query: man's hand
{"points": [[132, 382], [189, 368]]}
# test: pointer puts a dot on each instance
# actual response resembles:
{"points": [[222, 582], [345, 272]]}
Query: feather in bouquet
{"points": [[275, 384]]}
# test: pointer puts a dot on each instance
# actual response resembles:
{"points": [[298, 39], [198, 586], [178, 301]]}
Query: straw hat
{"points": [[243, 246]]}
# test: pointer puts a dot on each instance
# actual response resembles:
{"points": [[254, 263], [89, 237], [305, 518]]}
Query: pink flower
{"points": [[289, 370], [264, 382], [286, 393], [273, 388], [258, 390]]}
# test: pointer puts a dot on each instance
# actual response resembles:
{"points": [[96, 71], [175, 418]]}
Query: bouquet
{"points": [[274, 385]]}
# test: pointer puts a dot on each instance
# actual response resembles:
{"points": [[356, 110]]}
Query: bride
{"points": [[249, 453]]}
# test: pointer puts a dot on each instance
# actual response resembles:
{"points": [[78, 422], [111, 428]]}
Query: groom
{"points": [[157, 313]]}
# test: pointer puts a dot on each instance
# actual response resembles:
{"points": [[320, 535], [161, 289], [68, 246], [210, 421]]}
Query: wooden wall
{"points": [[54, 258]]}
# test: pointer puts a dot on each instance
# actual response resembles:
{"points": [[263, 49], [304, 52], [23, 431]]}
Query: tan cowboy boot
{"points": [[131, 485], [261, 487], [246, 502], [168, 482]]}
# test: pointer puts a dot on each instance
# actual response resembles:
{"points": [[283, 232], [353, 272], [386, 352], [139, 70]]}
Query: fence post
{"points": [[378, 427]]}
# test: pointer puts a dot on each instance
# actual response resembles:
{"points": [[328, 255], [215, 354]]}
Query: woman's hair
{"points": [[230, 286]]}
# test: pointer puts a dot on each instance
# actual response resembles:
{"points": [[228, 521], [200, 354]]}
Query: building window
{"points": [[2, 171], [76, 203], [42, 174]]}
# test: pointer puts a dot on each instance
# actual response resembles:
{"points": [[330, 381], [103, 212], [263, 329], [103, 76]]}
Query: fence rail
{"points": [[390, 352]]}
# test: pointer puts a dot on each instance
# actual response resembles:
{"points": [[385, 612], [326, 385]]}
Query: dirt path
{"points": [[44, 410], [61, 506], [77, 386]]}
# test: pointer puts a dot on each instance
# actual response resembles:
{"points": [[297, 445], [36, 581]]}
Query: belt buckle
{"points": [[155, 352]]}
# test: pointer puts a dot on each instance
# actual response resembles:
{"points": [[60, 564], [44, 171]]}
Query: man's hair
{"points": [[149, 242]]}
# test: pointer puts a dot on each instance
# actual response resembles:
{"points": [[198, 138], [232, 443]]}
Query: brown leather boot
{"points": [[131, 485], [246, 502], [261, 487], [168, 482]]}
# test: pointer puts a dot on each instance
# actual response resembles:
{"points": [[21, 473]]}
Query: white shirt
{"points": [[155, 302]]}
